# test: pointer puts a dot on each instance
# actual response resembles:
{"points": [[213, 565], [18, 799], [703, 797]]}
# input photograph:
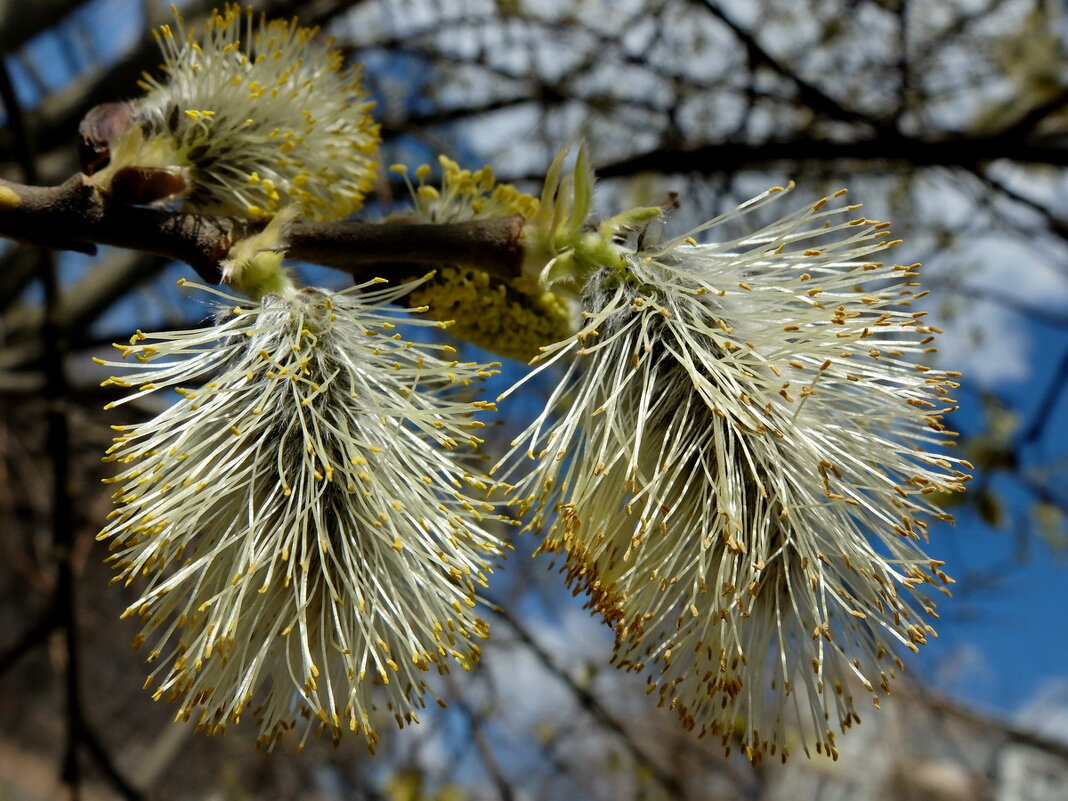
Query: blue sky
{"points": [[1004, 637]]}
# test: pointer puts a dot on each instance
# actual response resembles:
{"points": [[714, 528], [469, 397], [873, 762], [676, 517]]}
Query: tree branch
{"points": [[493, 245], [593, 707], [887, 147], [20, 23], [75, 216], [816, 99]]}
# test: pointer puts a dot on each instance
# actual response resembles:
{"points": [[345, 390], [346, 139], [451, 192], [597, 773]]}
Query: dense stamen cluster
{"points": [[259, 115], [464, 194], [509, 317], [304, 523], [737, 467]]}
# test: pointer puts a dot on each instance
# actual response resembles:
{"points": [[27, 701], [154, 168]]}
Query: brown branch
{"points": [[886, 148], [75, 216], [493, 245]]}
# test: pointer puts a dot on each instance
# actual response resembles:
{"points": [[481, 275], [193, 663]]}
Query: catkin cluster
{"points": [[738, 465]]}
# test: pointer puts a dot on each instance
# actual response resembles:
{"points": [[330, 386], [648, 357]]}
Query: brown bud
{"points": [[139, 186], [101, 127]]}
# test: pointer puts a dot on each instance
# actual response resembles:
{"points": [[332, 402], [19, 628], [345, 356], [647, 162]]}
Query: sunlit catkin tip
{"points": [[257, 115], [276, 521], [742, 455]]}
